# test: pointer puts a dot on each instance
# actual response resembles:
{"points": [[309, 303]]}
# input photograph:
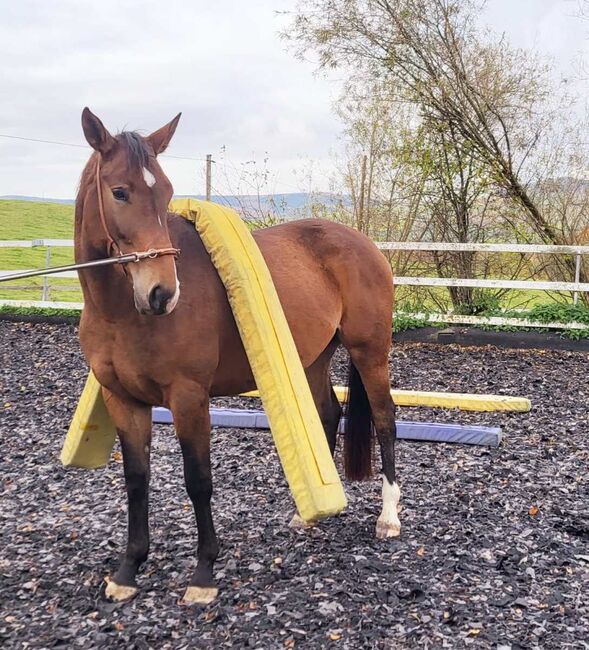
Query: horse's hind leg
{"points": [[190, 408], [372, 366], [327, 404], [133, 422]]}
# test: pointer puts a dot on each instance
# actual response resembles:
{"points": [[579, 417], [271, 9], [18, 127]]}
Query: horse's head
{"points": [[135, 194]]}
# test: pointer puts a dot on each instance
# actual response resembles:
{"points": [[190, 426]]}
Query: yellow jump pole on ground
{"points": [[462, 401], [297, 430], [294, 421], [91, 436]]}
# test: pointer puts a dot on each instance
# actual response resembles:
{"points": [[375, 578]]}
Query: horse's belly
{"points": [[313, 322]]}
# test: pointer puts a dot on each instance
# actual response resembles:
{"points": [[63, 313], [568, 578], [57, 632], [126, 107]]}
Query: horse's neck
{"points": [[106, 290]]}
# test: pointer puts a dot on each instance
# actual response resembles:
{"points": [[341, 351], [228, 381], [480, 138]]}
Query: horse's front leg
{"points": [[133, 422], [190, 408]]}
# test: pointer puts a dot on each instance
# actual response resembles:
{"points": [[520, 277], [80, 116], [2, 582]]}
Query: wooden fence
{"points": [[574, 286]]}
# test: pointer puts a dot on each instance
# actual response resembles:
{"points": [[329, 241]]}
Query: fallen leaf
{"points": [[421, 551], [533, 511], [117, 456]]}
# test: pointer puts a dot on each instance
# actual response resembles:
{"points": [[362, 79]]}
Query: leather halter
{"points": [[112, 244]]}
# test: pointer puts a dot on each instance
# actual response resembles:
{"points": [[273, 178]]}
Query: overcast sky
{"points": [[138, 63]]}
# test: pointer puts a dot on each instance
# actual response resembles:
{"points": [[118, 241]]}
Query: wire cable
{"points": [[83, 146]]}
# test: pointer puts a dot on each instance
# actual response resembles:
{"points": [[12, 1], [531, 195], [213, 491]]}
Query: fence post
{"points": [[577, 277], [45, 294]]}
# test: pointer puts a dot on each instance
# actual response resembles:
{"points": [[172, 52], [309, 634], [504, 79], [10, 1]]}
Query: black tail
{"points": [[359, 430]]}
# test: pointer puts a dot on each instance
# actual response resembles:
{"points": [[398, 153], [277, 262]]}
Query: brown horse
{"points": [[334, 285]]}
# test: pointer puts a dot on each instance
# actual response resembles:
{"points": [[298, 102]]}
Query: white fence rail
{"points": [[575, 286]]}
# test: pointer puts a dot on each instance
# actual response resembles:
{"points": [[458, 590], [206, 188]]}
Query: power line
{"points": [[83, 146], [64, 144]]}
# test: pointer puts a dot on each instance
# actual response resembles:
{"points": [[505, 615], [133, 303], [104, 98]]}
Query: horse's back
{"points": [[327, 254], [329, 278], [324, 273]]}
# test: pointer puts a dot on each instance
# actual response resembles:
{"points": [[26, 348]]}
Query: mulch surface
{"points": [[493, 553]]}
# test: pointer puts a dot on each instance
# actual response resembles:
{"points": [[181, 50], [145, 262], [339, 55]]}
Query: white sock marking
{"points": [[390, 500], [148, 177]]}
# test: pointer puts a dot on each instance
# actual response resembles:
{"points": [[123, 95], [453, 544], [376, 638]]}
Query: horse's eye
{"points": [[120, 194]]}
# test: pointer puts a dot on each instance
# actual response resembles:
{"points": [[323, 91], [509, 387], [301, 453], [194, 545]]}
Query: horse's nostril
{"points": [[158, 299]]}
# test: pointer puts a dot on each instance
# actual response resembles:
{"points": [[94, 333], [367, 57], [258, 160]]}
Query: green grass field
{"points": [[26, 220]]}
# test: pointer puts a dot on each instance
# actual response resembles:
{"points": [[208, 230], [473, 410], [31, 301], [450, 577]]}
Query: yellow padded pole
{"points": [[92, 434], [295, 424], [297, 430], [462, 401]]}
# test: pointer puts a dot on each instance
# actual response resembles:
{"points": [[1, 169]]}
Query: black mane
{"points": [[136, 149]]}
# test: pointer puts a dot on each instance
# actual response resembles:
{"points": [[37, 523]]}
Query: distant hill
{"points": [[287, 205], [36, 199]]}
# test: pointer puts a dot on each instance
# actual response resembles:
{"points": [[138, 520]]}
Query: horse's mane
{"points": [[137, 153]]}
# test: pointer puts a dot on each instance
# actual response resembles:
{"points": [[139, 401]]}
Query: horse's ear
{"points": [[95, 131], [160, 139]]}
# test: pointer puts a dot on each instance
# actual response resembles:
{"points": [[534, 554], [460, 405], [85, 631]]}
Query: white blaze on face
{"points": [[174, 299], [148, 177]]}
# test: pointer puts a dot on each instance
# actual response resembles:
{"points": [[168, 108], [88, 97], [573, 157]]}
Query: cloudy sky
{"points": [[137, 63]]}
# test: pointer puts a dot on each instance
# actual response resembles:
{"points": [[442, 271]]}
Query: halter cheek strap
{"points": [[112, 244]]}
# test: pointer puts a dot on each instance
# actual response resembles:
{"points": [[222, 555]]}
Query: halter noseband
{"points": [[112, 244]]}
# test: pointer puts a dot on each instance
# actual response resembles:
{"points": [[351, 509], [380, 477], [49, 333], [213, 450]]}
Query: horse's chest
{"points": [[126, 365]]}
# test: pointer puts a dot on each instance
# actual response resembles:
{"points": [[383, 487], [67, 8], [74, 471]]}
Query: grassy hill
{"points": [[28, 220]]}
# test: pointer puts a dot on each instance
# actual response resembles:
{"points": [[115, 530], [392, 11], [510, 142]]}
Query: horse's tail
{"points": [[359, 430]]}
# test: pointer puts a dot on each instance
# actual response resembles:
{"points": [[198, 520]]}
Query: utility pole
{"points": [[208, 177]]}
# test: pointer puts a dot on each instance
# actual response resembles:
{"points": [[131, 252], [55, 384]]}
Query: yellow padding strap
{"points": [[92, 434], [297, 430], [296, 427], [462, 401]]}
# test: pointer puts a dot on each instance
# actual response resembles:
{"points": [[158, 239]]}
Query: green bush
{"points": [[38, 311]]}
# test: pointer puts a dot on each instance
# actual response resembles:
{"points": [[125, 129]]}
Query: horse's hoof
{"points": [[199, 595], [386, 529], [118, 593], [297, 523]]}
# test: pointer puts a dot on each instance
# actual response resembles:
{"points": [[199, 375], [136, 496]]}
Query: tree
{"points": [[494, 98], [408, 181]]}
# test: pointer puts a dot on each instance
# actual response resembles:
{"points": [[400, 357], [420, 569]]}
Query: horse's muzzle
{"points": [[161, 300]]}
